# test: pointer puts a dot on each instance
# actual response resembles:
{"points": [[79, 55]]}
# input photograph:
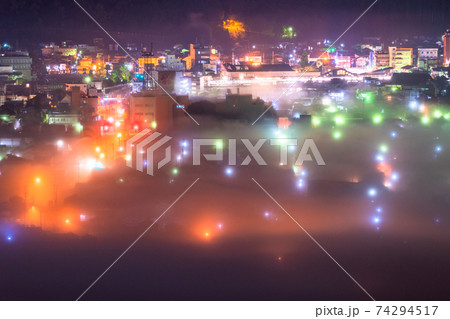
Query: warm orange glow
{"points": [[38, 180], [67, 221], [235, 28]]}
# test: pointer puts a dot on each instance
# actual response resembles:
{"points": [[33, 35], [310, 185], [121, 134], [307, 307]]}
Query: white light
{"points": [[229, 171], [372, 192]]}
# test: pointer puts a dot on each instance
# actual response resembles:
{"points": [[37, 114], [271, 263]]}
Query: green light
{"points": [[377, 119], [175, 171], [78, 127], [316, 121], [339, 120], [384, 148], [219, 144], [447, 116], [87, 79], [425, 120], [394, 89], [331, 109], [337, 135], [437, 114]]}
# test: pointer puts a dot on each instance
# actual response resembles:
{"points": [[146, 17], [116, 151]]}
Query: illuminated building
{"points": [[381, 60], [85, 65], [400, 57], [155, 61], [245, 71], [66, 51], [202, 58], [20, 62], [149, 107], [427, 57], [446, 39], [254, 58]]}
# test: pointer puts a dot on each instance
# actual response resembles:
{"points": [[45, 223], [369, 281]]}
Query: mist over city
{"points": [[224, 150]]}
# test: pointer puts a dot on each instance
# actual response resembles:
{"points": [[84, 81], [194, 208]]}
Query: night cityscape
{"points": [[225, 151]]}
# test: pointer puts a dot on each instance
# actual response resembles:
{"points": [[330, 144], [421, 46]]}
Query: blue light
{"points": [[98, 165], [229, 171], [376, 220], [180, 106], [393, 134], [438, 149], [9, 238], [379, 158], [413, 105], [394, 176], [300, 183], [184, 144], [379, 209], [266, 214], [296, 115], [372, 192]]}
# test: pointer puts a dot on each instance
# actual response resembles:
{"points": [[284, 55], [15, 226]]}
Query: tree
{"points": [[122, 75], [304, 60]]}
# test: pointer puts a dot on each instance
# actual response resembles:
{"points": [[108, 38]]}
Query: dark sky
{"points": [[173, 21]]}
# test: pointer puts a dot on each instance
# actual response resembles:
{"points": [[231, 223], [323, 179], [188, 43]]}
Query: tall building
{"points": [[400, 57], [154, 109], [446, 38]]}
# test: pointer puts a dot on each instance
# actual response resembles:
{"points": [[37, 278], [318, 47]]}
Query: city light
{"points": [[337, 135], [372, 192], [377, 119], [224, 150], [384, 148], [229, 171], [219, 144]]}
